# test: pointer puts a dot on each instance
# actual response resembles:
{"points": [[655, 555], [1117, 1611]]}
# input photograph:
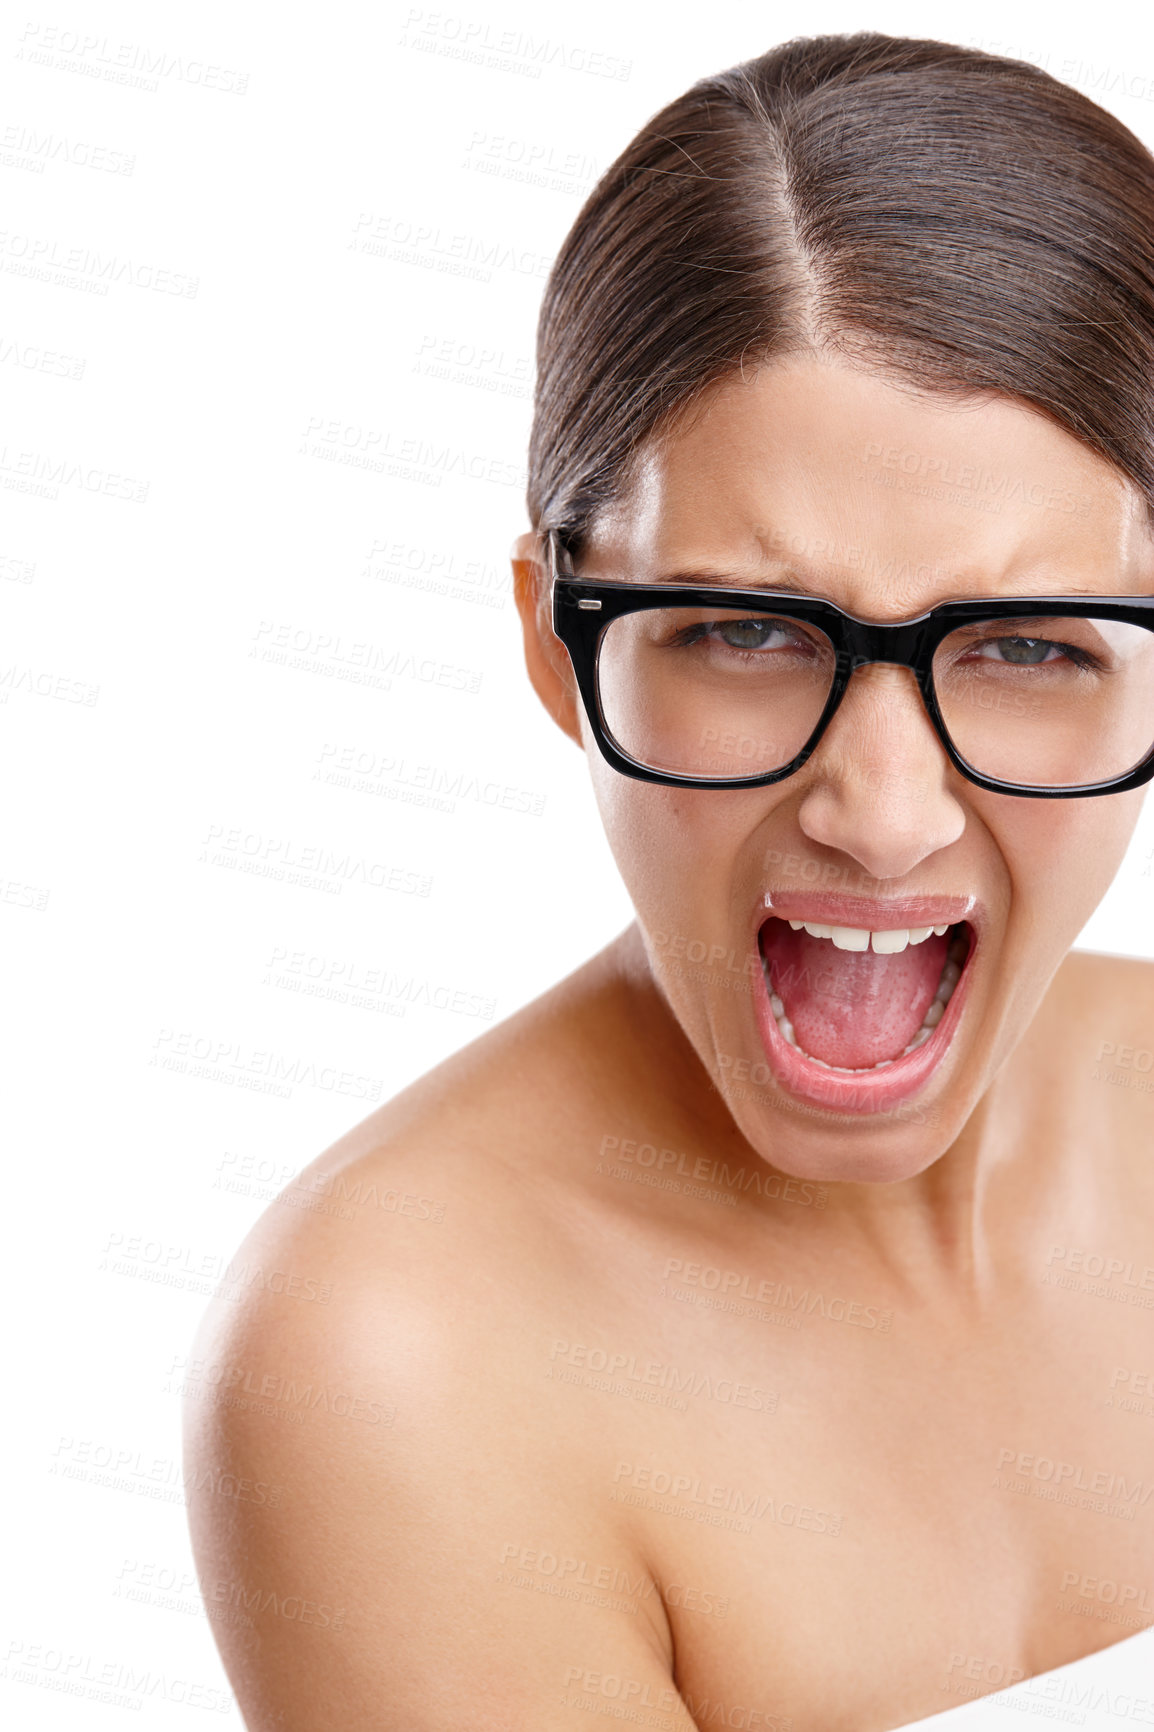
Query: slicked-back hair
{"points": [[944, 217]]}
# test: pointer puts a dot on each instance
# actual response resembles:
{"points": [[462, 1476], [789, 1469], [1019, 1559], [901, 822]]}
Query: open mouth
{"points": [[853, 1015]]}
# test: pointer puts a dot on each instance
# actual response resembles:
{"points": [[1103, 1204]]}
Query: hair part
{"points": [[954, 221]]}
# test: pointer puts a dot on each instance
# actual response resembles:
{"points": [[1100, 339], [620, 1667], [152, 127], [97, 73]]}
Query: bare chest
{"points": [[856, 1521]]}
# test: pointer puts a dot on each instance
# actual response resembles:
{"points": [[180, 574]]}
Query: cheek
{"points": [[1062, 854], [676, 848]]}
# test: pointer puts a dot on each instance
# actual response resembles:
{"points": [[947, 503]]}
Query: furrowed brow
{"points": [[781, 585]]}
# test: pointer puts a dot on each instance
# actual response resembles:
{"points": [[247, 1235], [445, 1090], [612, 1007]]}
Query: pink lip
{"points": [[878, 913], [866, 1091]]}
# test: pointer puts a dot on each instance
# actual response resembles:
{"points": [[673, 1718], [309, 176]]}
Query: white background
{"points": [[214, 284]]}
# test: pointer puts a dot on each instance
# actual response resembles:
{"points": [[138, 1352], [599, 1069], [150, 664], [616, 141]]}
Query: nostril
{"points": [[888, 818]]}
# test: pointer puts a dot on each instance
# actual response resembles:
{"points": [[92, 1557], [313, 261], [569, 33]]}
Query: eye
{"points": [[749, 633], [1021, 651], [734, 642]]}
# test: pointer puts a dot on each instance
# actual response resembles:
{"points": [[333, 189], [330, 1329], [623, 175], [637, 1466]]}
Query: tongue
{"points": [[851, 1007]]}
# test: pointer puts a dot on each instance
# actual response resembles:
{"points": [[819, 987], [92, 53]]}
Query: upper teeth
{"points": [[885, 943]]}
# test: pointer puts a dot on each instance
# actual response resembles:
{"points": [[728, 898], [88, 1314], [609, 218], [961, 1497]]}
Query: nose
{"points": [[878, 785]]}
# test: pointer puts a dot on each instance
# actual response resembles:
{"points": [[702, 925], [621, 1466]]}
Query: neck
{"points": [[984, 1203]]}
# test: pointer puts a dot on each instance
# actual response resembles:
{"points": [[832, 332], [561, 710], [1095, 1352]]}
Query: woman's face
{"points": [[885, 502]]}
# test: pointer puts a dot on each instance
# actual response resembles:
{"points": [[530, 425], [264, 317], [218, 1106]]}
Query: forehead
{"points": [[884, 498]]}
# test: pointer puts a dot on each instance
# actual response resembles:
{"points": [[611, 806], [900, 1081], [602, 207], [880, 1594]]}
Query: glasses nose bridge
{"points": [[866, 643]]}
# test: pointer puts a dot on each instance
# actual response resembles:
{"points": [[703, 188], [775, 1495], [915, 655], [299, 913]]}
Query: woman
{"points": [[756, 1329]]}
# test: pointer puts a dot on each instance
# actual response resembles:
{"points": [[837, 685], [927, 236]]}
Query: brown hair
{"points": [[961, 222]]}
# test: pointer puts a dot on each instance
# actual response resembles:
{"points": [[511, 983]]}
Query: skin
{"points": [[573, 1175]]}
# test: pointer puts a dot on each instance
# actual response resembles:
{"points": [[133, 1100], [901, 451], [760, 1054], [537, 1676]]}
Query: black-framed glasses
{"points": [[711, 686]]}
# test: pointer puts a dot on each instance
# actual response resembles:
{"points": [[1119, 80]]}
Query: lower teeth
{"points": [[951, 973]]}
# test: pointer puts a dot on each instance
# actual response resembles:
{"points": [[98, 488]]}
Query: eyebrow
{"points": [[782, 585], [789, 585]]}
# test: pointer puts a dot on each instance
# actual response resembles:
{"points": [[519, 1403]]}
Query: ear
{"points": [[547, 659]]}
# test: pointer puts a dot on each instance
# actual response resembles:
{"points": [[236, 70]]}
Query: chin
{"points": [[818, 1148]]}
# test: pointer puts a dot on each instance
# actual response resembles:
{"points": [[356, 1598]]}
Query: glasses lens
{"points": [[1057, 702], [714, 692]]}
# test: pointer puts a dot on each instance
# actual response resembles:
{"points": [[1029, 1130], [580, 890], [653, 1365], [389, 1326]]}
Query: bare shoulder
{"points": [[374, 1453], [1095, 1035], [1109, 999], [1105, 972], [455, 1188]]}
